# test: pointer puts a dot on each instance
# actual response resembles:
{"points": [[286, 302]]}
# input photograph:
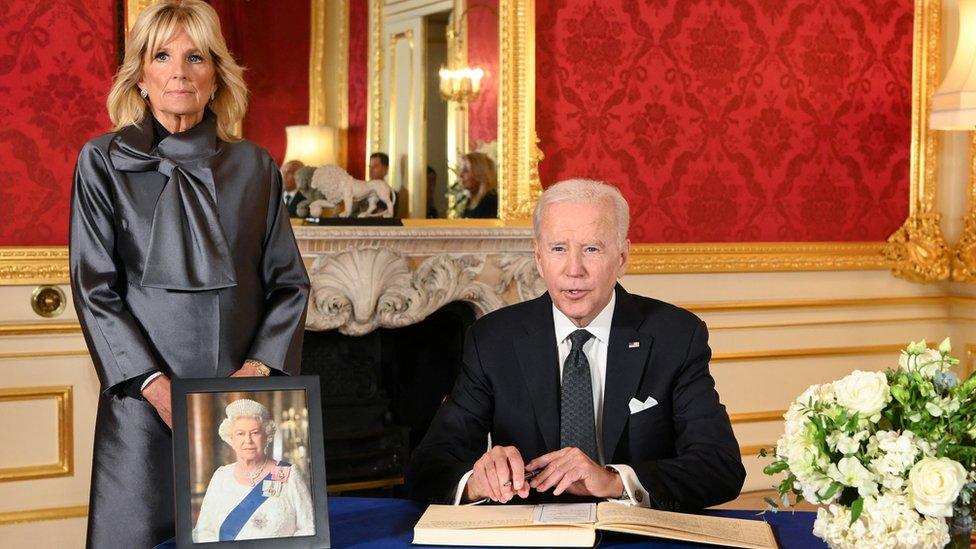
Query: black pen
{"points": [[529, 475]]}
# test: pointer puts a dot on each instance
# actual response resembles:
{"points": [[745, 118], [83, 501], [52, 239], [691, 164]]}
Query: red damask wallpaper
{"points": [[56, 64], [732, 120], [271, 39], [483, 52], [358, 50]]}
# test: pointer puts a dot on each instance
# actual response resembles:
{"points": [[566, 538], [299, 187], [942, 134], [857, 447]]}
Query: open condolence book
{"points": [[575, 525]]}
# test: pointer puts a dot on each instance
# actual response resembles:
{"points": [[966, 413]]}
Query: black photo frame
{"points": [[198, 408]]}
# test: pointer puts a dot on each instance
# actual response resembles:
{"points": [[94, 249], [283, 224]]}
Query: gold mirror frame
{"points": [[518, 154]]}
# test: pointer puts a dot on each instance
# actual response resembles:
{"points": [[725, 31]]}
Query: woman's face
{"points": [[248, 438], [467, 177], [179, 79]]}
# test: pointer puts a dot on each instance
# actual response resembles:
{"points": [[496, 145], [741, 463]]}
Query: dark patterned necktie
{"points": [[576, 425]]}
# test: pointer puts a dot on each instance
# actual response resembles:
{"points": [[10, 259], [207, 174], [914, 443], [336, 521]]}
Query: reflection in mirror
{"points": [[437, 102], [370, 69]]}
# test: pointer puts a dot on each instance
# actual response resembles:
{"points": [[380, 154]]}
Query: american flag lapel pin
{"points": [[633, 345]]}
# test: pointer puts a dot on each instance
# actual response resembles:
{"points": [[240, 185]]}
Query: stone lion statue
{"points": [[337, 186]]}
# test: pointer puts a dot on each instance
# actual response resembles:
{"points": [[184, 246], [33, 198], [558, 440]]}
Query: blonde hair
{"points": [[155, 26], [587, 191], [483, 169]]}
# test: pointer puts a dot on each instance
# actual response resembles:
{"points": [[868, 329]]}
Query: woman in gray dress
{"points": [[183, 263]]}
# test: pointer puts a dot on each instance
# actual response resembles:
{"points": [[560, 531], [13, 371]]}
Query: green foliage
{"points": [[856, 509], [926, 399]]}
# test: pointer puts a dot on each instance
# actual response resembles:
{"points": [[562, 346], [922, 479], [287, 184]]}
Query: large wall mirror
{"points": [[422, 100], [451, 102], [437, 67]]}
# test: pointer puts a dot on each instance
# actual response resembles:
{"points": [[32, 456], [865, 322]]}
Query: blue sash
{"points": [[239, 516]]}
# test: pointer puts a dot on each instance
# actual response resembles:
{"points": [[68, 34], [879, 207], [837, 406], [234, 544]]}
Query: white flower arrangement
{"points": [[890, 456]]}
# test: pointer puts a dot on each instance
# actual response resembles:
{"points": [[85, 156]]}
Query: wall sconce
{"points": [[954, 103], [461, 85], [312, 145]]}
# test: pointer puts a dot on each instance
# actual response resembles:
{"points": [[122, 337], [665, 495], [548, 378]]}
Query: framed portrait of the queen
{"points": [[249, 463]]}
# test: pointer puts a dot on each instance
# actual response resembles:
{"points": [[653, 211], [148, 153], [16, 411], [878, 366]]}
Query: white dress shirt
{"points": [[288, 195], [596, 354]]}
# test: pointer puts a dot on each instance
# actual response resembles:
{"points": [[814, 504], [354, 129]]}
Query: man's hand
{"points": [[498, 475], [157, 393], [571, 470], [247, 370]]}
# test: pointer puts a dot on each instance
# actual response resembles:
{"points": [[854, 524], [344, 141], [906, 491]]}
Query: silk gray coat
{"points": [[183, 261]]}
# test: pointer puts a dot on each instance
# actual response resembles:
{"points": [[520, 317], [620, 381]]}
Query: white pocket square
{"points": [[638, 406]]}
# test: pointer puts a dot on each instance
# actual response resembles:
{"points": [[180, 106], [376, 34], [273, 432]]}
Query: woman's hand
{"points": [[249, 369], [157, 393]]}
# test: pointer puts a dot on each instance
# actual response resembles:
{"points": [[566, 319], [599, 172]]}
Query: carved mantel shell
{"points": [[365, 278]]}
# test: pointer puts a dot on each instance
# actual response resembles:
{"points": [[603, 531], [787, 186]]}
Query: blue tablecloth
{"points": [[373, 522], [377, 522]]}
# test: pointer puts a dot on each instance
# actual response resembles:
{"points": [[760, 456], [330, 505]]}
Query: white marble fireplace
{"points": [[365, 278]]}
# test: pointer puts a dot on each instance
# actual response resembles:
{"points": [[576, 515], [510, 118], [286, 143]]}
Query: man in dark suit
{"points": [[594, 391], [291, 196]]}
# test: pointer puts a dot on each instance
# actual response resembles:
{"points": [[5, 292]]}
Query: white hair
{"points": [[585, 191], [246, 407]]}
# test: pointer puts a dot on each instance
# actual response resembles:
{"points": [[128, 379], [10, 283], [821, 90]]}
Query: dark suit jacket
{"points": [[683, 449], [292, 205]]}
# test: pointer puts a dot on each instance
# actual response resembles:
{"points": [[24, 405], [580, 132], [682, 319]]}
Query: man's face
{"points": [[288, 174], [577, 255], [376, 168]]}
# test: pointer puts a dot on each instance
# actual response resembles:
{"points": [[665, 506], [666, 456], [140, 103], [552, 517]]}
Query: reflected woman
{"points": [[255, 497], [183, 262], [480, 179]]}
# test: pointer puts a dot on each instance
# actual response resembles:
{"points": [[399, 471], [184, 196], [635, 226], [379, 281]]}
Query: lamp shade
{"points": [[954, 103], [312, 145]]}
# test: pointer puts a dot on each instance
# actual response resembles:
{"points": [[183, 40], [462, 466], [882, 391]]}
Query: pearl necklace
{"points": [[253, 476]]}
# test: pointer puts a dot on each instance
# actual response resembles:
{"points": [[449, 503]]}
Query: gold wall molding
{"points": [[328, 70], [65, 464], [50, 513], [132, 10], [316, 62], [757, 417], [753, 449], [38, 328], [818, 352], [34, 265], [969, 365], [918, 250], [44, 354], [518, 152], [810, 323], [964, 252], [766, 305], [755, 257], [375, 132]]}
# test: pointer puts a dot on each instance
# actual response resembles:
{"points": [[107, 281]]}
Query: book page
{"points": [[741, 531], [565, 513], [476, 516]]}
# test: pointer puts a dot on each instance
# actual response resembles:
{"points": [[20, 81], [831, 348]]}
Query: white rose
{"points": [[863, 392], [933, 484], [928, 362]]}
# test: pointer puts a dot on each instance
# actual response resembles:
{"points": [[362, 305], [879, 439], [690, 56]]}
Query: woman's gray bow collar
{"points": [[187, 247]]}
